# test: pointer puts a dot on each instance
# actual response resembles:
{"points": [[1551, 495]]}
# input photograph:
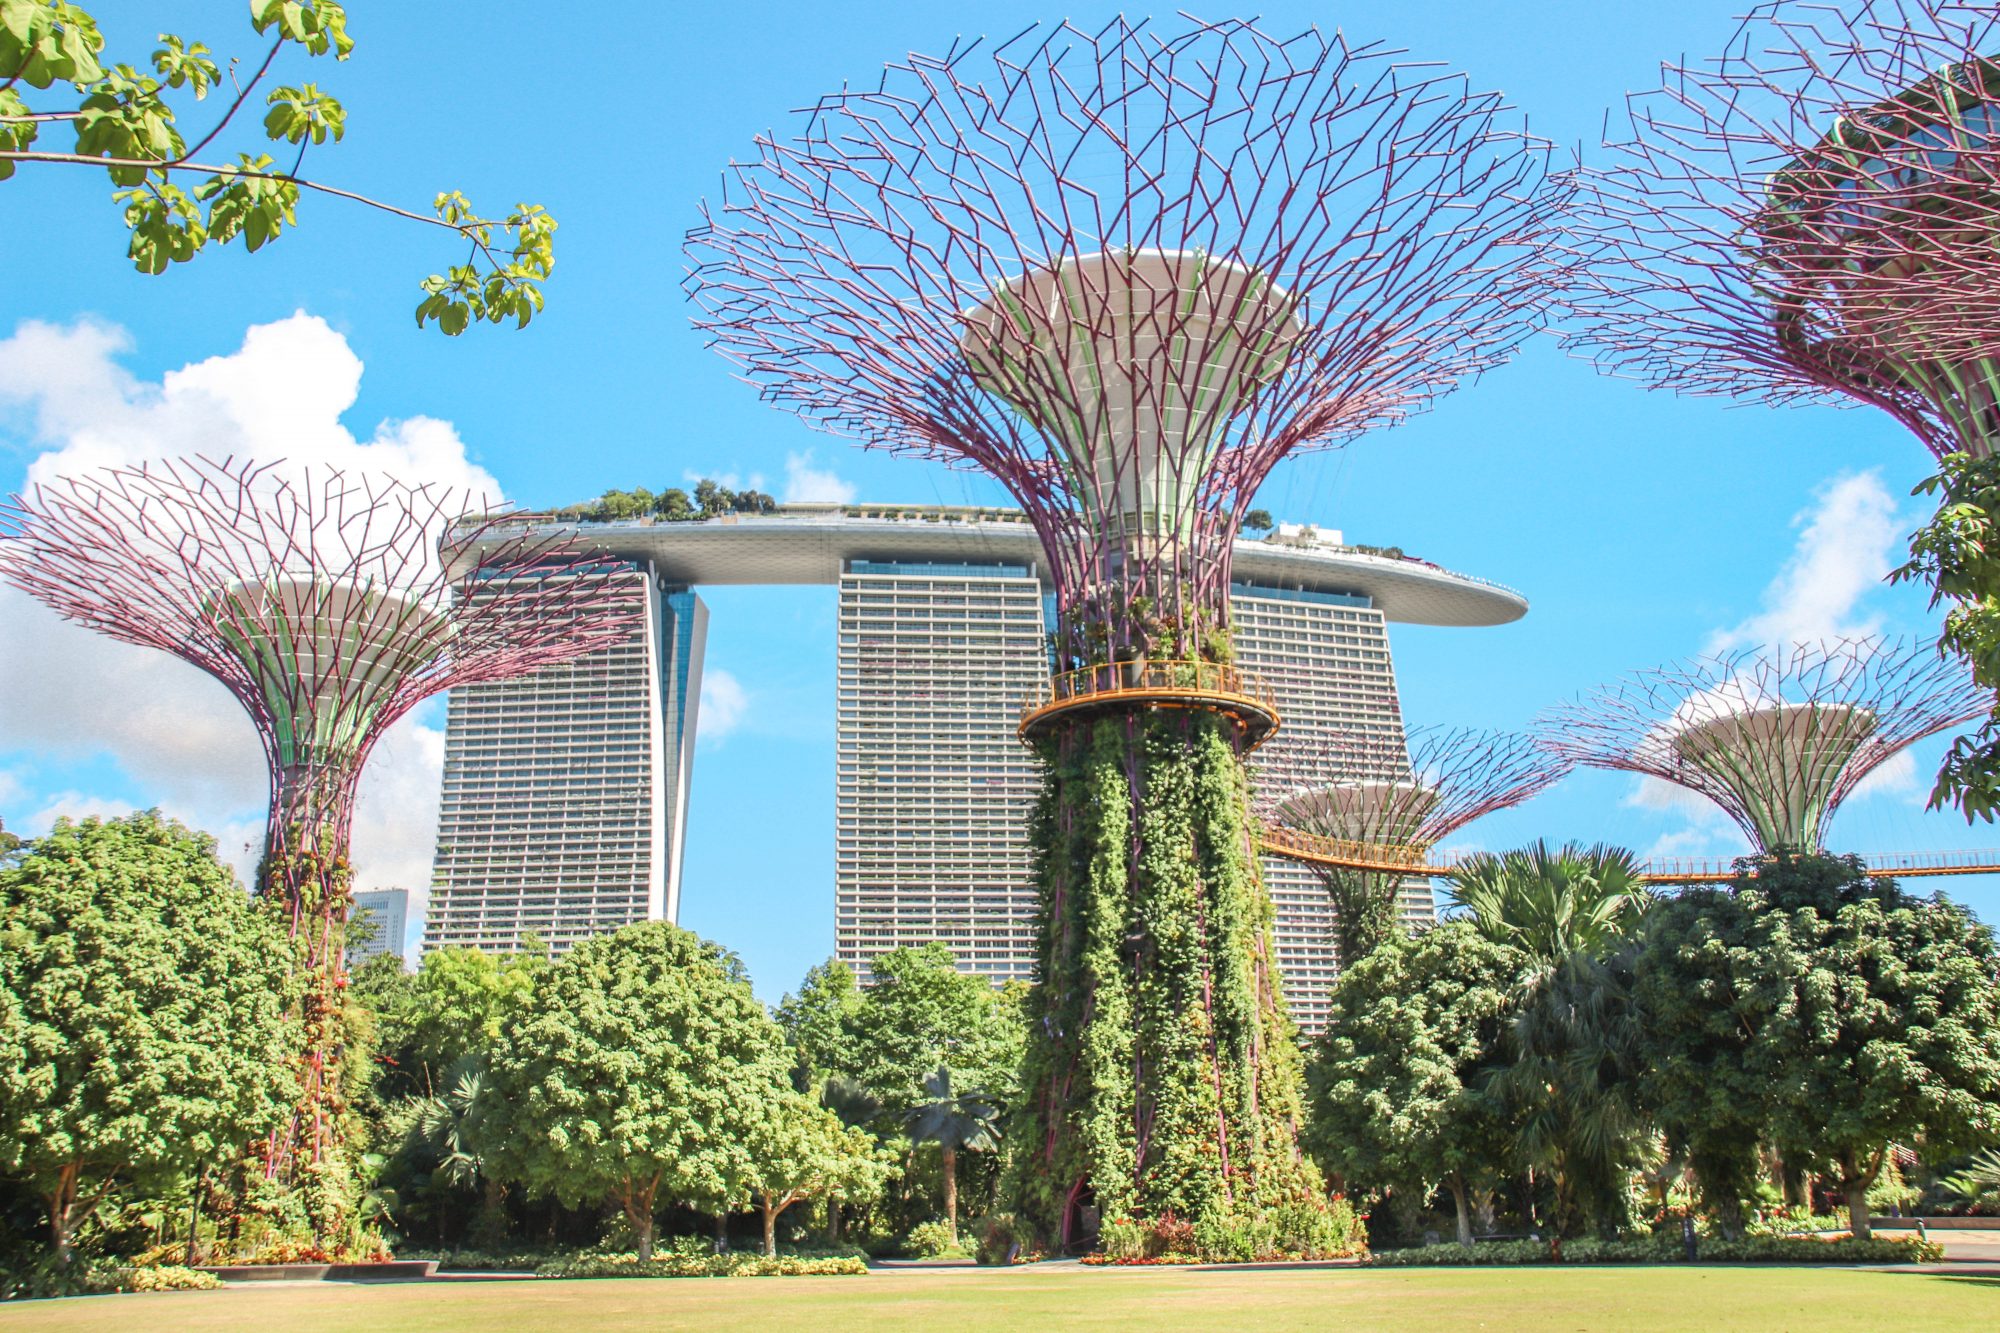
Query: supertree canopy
{"points": [[1777, 739], [1388, 799], [329, 605], [1810, 216], [1125, 273]]}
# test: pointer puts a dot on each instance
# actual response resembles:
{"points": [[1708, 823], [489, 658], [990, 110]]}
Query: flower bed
{"points": [[703, 1265]]}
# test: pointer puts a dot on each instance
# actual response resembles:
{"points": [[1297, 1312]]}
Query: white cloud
{"points": [[1846, 543], [1713, 844], [803, 481], [728, 481], [724, 703], [180, 740], [1651, 793], [1896, 776]]}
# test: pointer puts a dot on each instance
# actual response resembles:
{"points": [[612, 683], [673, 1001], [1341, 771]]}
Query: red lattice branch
{"points": [[1030, 259], [1810, 217], [1778, 740]]}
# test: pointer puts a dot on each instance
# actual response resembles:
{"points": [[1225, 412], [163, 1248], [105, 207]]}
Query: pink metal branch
{"points": [[885, 271], [1809, 217], [1777, 739], [221, 563], [1359, 787]]}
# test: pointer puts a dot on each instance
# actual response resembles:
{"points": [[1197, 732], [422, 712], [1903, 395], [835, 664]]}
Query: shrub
{"points": [[166, 1277], [933, 1240], [1005, 1239], [1236, 1238], [485, 1261], [1123, 1238], [1666, 1248], [706, 1265]]}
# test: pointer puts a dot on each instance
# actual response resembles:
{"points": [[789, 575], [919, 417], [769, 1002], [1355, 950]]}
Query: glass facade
{"points": [[565, 790]]}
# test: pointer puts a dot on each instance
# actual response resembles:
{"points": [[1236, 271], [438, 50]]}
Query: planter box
{"points": [[400, 1270]]}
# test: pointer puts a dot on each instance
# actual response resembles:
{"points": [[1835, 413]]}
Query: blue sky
{"points": [[1642, 528]]}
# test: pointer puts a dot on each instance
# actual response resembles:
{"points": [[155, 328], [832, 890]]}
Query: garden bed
{"points": [[1668, 1250], [393, 1270]]}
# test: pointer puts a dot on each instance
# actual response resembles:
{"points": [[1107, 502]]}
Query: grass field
{"points": [[1050, 1298]]}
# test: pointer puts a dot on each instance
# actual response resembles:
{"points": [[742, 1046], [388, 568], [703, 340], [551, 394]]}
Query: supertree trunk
{"points": [[306, 874], [1162, 1076]]}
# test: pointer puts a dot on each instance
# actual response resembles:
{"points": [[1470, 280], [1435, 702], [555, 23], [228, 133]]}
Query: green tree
{"points": [[1548, 902], [1705, 989], [1715, 969], [1566, 1084], [956, 1122], [1258, 520], [819, 1024], [453, 1007], [1568, 1089], [1396, 1081], [920, 1012], [673, 505], [1890, 1032], [142, 1029], [799, 1151], [1958, 554], [124, 110], [713, 499], [638, 1073]]}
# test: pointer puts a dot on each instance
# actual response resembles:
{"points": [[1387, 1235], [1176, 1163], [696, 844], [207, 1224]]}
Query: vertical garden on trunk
{"points": [[1162, 1074]]}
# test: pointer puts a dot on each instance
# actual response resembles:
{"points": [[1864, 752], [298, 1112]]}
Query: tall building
{"points": [[564, 810], [389, 913], [943, 623], [931, 787]]}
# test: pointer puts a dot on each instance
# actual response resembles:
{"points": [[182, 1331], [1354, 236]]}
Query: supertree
{"points": [[329, 605], [1778, 739], [1809, 217], [1383, 799], [1125, 272]]}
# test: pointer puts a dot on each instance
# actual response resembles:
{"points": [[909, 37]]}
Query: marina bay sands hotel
{"points": [[565, 798]]}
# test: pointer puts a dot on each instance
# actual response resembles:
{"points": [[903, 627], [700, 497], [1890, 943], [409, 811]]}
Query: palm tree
{"points": [[1571, 1045], [956, 1122], [448, 1126], [1979, 1184], [1569, 1087], [1551, 904]]}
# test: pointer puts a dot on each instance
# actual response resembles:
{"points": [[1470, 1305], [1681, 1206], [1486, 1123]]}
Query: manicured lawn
{"points": [[1043, 1300]]}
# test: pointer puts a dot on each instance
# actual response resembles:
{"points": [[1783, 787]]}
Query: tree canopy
{"points": [[638, 1074], [181, 191], [1396, 1083], [1890, 1032], [921, 1013], [799, 1150], [451, 1008], [818, 1021], [142, 1027], [1550, 902]]}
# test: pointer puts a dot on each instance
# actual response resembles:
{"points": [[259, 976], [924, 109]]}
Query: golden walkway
{"points": [[1213, 687], [1411, 859]]}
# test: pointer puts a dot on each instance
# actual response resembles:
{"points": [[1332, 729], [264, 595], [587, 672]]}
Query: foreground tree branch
{"points": [[175, 205]]}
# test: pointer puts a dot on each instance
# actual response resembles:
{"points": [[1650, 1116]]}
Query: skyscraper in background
{"points": [[565, 792], [389, 913], [564, 809]]}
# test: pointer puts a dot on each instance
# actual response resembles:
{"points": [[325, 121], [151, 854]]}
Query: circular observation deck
{"points": [[1210, 687]]}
